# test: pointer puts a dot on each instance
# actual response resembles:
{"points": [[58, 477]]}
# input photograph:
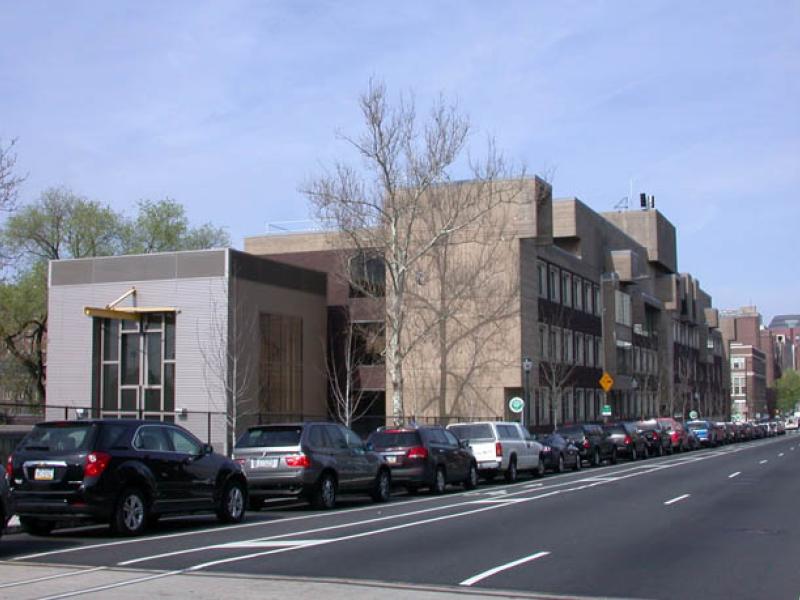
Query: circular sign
{"points": [[516, 404], [693, 415]]}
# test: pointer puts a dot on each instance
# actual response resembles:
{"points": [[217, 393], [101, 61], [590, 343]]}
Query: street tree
{"points": [[557, 368], [10, 181], [407, 174], [788, 388]]}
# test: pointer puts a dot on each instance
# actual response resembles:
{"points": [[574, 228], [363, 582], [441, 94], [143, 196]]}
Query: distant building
{"points": [[786, 329]]}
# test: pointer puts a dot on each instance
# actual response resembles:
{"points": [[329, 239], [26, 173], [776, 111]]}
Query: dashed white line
{"points": [[736, 474], [761, 462], [515, 563], [780, 453], [676, 499]]}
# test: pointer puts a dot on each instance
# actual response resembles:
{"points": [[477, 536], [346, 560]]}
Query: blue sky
{"points": [[230, 106]]}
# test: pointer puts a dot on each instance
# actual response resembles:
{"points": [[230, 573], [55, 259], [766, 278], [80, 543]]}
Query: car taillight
{"points": [[96, 463], [586, 443], [299, 461], [417, 452], [628, 440], [498, 449], [547, 449], [10, 466], [674, 436]]}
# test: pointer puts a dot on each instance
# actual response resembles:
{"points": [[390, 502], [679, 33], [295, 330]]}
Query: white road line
{"points": [[676, 499], [48, 577], [481, 576], [270, 544], [780, 453], [109, 586], [736, 474], [761, 462], [500, 501]]}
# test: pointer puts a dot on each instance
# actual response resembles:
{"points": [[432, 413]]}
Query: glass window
{"points": [[568, 347], [566, 288], [182, 442], [272, 436], [587, 297], [130, 359], [555, 287], [542, 340], [451, 439], [153, 358], [60, 438], [336, 436], [352, 439], [169, 336], [110, 339], [577, 292], [472, 432], [508, 432], [151, 438], [597, 303], [541, 271], [394, 439]]}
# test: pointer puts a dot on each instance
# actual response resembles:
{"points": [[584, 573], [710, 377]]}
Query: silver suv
{"points": [[501, 447], [316, 461]]}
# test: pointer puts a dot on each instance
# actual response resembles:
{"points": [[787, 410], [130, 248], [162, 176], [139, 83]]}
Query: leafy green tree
{"points": [[788, 387]]}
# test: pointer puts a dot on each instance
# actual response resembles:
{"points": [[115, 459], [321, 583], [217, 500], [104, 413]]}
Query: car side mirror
{"points": [[207, 449], [369, 447], [463, 443]]}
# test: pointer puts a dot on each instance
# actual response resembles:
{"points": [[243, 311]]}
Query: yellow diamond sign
{"points": [[606, 381]]}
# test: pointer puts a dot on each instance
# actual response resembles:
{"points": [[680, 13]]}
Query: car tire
{"points": [[471, 482], [511, 473], [382, 486], [233, 502], [130, 513], [324, 495], [614, 457], [560, 465], [596, 460], [634, 454], [646, 452], [439, 482], [578, 466], [540, 468], [661, 450], [33, 526]]}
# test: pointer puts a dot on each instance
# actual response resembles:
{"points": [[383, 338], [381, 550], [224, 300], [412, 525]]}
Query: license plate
{"points": [[264, 463], [43, 474], [487, 465], [391, 460]]}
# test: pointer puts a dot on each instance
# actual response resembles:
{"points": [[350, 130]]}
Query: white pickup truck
{"points": [[501, 447]]}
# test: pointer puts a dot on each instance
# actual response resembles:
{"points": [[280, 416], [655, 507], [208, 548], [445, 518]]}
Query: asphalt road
{"points": [[716, 523]]}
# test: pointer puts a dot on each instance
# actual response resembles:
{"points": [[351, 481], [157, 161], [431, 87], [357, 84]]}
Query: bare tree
{"points": [[558, 367], [407, 172], [9, 182], [349, 401], [226, 368]]}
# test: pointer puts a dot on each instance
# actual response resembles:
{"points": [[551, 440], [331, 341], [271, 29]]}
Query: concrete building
{"points": [[211, 339], [786, 329]]}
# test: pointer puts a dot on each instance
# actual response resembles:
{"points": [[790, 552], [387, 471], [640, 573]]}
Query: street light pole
{"points": [[527, 365]]}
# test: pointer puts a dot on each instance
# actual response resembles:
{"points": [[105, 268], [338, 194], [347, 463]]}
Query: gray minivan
{"points": [[313, 460]]}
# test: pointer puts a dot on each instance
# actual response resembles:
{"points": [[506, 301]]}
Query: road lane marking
{"points": [[736, 474], [533, 485], [761, 462], [515, 563], [676, 499], [48, 577], [780, 453], [270, 544], [500, 501]]}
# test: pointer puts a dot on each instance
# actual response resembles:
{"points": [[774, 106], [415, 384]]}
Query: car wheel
{"points": [[382, 487], [324, 496], [232, 503], [560, 466], [255, 504], [634, 455], [596, 458], [614, 457], [540, 468], [511, 472], [130, 514], [471, 482], [646, 452], [661, 450], [439, 481], [578, 466], [34, 526]]}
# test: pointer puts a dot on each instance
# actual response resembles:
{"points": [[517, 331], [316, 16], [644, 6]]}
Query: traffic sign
{"points": [[606, 410], [516, 404], [606, 381], [693, 414]]}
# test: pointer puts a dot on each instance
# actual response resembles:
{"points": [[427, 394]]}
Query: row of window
{"points": [[575, 405], [739, 385], [686, 335], [560, 286], [571, 347]]}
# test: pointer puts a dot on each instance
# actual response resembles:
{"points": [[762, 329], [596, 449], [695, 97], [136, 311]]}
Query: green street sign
{"points": [[693, 415], [606, 410], [516, 404]]}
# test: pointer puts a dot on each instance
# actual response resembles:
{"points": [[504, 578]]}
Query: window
{"points": [[352, 439], [569, 356], [587, 297], [580, 409], [508, 432], [567, 405], [579, 349], [555, 288], [737, 362], [281, 363], [451, 439], [555, 343], [577, 292], [590, 351], [543, 341], [622, 302], [597, 303], [182, 442], [151, 438], [738, 385], [566, 288], [135, 366], [541, 271], [367, 276], [336, 436]]}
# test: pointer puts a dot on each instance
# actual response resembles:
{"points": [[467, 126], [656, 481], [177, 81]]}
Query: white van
{"points": [[498, 446]]}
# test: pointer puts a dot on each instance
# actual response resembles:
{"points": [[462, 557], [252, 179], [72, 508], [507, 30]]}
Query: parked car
{"points": [[781, 427], [592, 442], [315, 461], [558, 453], [627, 439], [656, 438], [5, 503], [426, 457], [706, 432], [500, 447], [123, 472], [679, 441], [692, 441], [791, 424]]}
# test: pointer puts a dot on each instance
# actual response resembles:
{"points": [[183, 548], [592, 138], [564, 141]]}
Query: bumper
{"points": [[63, 506], [417, 474], [489, 466], [279, 485]]}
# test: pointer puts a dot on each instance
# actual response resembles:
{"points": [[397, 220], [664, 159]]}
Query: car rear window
{"points": [[697, 425], [481, 431], [571, 432], [60, 438], [394, 439], [615, 429], [272, 436]]}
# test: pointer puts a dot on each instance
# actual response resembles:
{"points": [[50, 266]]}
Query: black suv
{"points": [[123, 472], [426, 456], [627, 439], [593, 443]]}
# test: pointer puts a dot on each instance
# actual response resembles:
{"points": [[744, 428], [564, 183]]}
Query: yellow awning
{"points": [[125, 313]]}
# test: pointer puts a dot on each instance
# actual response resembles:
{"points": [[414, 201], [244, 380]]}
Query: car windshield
{"points": [[272, 436], [615, 429], [394, 439], [472, 431], [60, 438]]}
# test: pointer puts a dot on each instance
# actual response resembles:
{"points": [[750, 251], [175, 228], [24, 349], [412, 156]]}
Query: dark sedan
{"points": [[559, 453], [627, 439]]}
